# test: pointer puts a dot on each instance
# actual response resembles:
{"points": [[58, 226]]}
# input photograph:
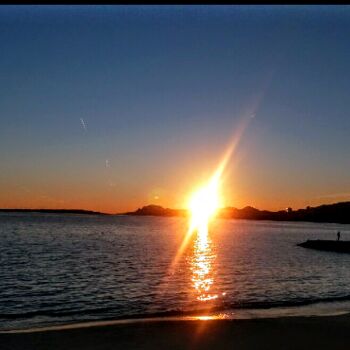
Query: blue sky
{"points": [[161, 91]]}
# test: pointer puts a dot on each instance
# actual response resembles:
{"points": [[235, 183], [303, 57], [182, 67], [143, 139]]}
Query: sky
{"points": [[110, 108]]}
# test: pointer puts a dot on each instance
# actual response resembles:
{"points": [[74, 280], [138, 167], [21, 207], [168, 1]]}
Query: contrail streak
{"points": [[83, 124]]}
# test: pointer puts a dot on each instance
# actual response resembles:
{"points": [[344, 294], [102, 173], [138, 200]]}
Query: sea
{"points": [[64, 269]]}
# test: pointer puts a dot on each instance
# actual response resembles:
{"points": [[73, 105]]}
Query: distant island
{"points": [[332, 213], [54, 211]]}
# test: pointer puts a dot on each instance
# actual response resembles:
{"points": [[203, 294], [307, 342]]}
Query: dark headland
{"points": [[327, 245], [333, 213]]}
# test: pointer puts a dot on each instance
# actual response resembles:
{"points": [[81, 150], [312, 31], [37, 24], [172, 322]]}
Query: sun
{"points": [[203, 205]]}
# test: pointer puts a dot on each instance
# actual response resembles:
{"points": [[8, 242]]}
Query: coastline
{"points": [[318, 309], [328, 332], [337, 213]]}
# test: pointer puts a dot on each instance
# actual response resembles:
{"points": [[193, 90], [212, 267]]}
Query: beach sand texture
{"points": [[331, 332]]}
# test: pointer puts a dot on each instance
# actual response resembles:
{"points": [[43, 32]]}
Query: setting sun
{"points": [[204, 204]]}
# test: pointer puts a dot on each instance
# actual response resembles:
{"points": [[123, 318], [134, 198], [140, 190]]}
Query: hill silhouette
{"points": [[336, 213], [157, 210]]}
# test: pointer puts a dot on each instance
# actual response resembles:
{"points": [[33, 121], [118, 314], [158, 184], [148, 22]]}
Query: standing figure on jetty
{"points": [[338, 236]]}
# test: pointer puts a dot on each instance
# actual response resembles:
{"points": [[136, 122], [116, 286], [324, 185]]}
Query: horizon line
{"points": [[156, 205]]}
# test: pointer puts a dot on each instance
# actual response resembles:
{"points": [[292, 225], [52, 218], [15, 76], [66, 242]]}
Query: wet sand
{"points": [[331, 332]]}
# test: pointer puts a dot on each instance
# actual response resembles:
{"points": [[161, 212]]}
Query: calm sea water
{"points": [[71, 268]]}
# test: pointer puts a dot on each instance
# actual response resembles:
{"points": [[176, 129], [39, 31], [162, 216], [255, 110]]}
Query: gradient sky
{"points": [[114, 107]]}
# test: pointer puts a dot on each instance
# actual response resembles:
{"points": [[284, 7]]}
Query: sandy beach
{"points": [[331, 332]]}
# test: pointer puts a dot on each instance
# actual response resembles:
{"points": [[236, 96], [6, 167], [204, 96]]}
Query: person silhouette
{"points": [[338, 236]]}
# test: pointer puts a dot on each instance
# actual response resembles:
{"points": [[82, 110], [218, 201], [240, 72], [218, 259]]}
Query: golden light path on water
{"points": [[203, 206], [202, 267]]}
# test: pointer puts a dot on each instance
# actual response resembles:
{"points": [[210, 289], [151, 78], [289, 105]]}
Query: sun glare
{"points": [[203, 206], [205, 202]]}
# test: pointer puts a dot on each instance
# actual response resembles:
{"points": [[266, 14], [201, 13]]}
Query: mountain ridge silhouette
{"points": [[332, 213]]}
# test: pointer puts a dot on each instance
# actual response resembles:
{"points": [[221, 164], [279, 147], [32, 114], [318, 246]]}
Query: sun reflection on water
{"points": [[220, 316], [202, 262]]}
